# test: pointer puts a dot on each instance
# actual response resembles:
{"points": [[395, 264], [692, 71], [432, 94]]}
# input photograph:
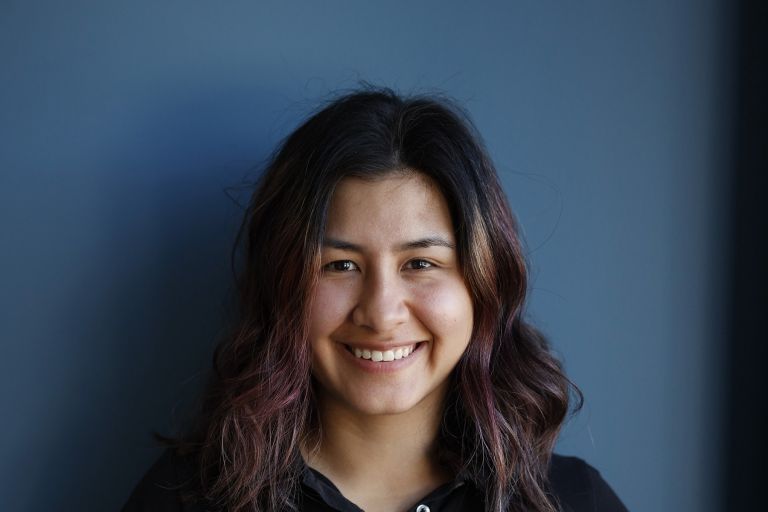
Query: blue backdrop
{"points": [[124, 123]]}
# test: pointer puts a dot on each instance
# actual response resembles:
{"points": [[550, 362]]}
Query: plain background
{"points": [[124, 126]]}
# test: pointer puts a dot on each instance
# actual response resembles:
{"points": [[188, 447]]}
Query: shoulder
{"points": [[164, 486], [580, 487]]}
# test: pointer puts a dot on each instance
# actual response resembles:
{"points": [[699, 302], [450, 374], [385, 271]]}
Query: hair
{"points": [[508, 396]]}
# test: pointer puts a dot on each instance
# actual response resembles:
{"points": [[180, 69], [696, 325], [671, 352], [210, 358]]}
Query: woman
{"points": [[381, 360]]}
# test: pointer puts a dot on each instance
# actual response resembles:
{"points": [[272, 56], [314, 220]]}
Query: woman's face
{"points": [[392, 314]]}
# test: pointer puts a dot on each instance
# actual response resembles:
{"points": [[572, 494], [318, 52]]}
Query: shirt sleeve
{"points": [[580, 488]]}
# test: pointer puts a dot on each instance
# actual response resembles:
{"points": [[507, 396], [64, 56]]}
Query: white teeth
{"points": [[383, 355]]}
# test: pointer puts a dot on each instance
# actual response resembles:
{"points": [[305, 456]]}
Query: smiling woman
{"points": [[381, 359]]}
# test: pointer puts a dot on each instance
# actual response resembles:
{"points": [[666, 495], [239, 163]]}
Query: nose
{"points": [[381, 305]]}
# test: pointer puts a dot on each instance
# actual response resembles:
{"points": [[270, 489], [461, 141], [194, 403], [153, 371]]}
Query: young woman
{"points": [[381, 360]]}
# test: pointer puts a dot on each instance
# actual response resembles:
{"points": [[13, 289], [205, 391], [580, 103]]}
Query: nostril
{"points": [[380, 315]]}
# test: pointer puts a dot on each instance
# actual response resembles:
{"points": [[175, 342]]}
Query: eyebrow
{"points": [[421, 243]]}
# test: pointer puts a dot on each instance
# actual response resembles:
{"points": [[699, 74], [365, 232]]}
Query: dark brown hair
{"points": [[509, 396]]}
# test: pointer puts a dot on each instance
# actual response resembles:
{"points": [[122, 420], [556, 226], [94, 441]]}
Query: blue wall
{"points": [[124, 122]]}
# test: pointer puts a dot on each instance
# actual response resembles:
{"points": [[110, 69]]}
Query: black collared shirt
{"points": [[577, 486]]}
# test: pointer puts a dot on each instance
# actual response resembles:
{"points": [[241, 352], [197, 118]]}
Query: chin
{"points": [[384, 407], [402, 403]]}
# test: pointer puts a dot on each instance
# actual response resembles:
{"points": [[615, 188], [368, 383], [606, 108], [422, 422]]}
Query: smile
{"points": [[378, 356]]}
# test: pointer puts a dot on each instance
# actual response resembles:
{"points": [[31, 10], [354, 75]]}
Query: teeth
{"points": [[385, 355]]}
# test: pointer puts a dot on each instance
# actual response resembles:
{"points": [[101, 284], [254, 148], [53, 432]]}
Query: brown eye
{"points": [[340, 266], [419, 265]]}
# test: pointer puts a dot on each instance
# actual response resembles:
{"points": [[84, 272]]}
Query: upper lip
{"points": [[378, 345]]}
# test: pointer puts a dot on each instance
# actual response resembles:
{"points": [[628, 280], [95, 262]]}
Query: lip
{"points": [[377, 345], [383, 367]]}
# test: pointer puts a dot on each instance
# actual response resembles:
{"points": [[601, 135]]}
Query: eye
{"points": [[340, 266], [418, 264]]}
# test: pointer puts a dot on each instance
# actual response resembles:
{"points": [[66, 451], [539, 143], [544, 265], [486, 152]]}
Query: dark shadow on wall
{"points": [[156, 302], [747, 412]]}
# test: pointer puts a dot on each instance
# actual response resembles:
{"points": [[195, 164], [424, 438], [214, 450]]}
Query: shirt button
{"points": [[422, 508]]}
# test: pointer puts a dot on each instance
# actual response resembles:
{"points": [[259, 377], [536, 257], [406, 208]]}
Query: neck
{"points": [[372, 458]]}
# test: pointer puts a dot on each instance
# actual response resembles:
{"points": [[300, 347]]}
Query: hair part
{"points": [[509, 395]]}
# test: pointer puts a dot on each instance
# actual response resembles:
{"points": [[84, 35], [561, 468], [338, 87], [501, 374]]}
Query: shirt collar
{"points": [[331, 495]]}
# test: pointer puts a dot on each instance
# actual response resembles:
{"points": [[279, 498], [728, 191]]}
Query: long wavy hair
{"points": [[508, 396]]}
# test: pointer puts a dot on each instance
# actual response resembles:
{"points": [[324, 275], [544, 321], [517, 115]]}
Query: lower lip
{"points": [[384, 366]]}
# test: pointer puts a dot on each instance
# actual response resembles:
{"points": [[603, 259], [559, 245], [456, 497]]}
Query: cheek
{"points": [[446, 310], [331, 305]]}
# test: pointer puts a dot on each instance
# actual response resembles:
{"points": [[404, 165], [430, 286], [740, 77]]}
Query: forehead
{"points": [[395, 206]]}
